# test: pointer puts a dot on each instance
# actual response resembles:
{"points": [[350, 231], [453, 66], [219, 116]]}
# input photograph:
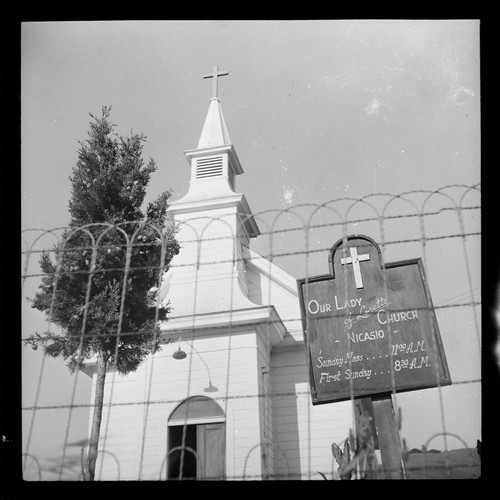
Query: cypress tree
{"points": [[99, 282]]}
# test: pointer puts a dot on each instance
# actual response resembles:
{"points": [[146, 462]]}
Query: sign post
{"points": [[371, 331], [390, 444]]}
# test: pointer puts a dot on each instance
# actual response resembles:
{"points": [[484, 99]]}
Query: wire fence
{"points": [[219, 288]]}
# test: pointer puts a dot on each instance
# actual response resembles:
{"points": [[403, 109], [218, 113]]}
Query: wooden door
{"points": [[211, 450]]}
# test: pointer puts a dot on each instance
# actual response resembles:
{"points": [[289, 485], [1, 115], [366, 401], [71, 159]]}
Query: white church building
{"points": [[227, 395]]}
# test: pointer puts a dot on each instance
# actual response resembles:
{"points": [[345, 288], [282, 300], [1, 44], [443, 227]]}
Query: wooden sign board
{"points": [[369, 328]]}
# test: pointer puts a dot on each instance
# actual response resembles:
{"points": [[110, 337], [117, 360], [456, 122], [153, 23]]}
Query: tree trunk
{"points": [[96, 421]]}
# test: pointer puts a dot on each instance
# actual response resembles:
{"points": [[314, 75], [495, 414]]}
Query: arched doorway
{"points": [[197, 440]]}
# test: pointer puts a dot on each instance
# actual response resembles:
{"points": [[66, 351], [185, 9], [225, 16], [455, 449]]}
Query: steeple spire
{"points": [[214, 132]]}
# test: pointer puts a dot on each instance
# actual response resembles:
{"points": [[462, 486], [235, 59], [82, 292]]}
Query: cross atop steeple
{"points": [[215, 75]]}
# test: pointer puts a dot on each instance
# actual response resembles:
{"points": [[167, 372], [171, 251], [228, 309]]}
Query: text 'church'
{"points": [[227, 396]]}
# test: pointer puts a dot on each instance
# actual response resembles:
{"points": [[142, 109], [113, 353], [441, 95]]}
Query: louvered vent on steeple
{"points": [[209, 167]]}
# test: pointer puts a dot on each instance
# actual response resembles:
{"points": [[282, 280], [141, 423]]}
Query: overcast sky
{"points": [[316, 110]]}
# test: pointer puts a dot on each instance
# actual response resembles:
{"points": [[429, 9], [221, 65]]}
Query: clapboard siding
{"points": [[303, 433], [265, 405], [135, 418]]}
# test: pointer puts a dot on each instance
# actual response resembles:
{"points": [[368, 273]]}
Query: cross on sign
{"points": [[355, 259], [215, 75]]}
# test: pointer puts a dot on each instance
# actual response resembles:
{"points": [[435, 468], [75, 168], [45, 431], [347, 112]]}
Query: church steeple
{"points": [[215, 224], [214, 166]]}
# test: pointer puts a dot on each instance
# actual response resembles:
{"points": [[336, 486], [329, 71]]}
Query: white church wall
{"points": [[137, 406], [206, 276], [244, 402], [207, 235], [264, 400], [303, 433]]}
